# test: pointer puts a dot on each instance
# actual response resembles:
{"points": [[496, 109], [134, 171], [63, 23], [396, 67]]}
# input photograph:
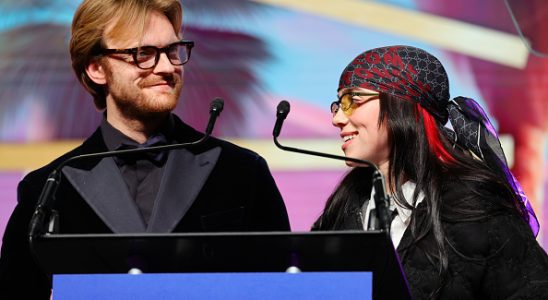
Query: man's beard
{"points": [[133, 101]]}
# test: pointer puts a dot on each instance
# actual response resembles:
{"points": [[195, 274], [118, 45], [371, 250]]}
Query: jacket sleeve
{"points": [[20, 275], [268, 211], [517, 267]]}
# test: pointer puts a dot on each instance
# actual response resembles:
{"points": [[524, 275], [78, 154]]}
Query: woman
{"points": [[462, 226]]}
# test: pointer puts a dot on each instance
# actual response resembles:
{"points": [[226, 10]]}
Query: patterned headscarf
{"points": [[415, 75]]}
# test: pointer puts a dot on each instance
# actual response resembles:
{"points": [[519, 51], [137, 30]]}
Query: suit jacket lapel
{"points": [[104, 189], [184, 176]]}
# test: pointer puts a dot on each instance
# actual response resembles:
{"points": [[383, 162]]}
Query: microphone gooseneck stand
{"points": [[44, 208], [380, 198]]}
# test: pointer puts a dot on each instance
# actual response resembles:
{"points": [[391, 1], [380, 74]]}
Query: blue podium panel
{"points": [[306, 285]]}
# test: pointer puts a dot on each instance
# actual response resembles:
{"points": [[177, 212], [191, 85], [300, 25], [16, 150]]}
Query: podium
{"points": [[331, 251]]}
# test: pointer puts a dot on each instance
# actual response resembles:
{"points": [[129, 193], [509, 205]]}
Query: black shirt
{"points": [[142, 174]]}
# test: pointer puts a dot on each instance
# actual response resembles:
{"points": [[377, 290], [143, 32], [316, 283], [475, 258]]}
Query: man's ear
{"points": [[96, 72]]}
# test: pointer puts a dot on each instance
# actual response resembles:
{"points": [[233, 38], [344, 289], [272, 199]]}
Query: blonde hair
{"points": [[124, 19]]}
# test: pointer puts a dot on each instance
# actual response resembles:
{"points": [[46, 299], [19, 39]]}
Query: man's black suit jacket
{"points": [[215, 187]]}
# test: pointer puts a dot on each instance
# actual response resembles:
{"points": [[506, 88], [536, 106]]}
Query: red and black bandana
{"points": [[402, 71]]}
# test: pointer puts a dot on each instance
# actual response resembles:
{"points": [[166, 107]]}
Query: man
{"points": [[129, 56]]}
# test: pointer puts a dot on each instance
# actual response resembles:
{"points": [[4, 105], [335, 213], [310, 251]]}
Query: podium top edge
{"points": [[215, 234]]}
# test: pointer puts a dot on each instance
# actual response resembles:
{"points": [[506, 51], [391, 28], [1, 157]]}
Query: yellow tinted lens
{"points": [[346, 104]]}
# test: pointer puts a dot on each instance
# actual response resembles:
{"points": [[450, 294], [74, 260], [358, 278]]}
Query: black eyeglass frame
{"points": [[336, 105], [133, 51]]}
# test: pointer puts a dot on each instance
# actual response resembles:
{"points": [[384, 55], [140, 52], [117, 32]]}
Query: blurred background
{"points": [[254, 54]]}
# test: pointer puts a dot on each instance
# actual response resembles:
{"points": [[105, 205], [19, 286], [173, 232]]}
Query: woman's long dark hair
{"points": [[419, 152]]}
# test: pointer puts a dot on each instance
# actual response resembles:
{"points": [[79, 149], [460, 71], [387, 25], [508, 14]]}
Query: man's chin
{"points": [[153, 110], [162, 104], [157, 111]]}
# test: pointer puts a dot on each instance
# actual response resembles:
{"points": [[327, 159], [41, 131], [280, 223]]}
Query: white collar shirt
{"points": [[401, 221]]}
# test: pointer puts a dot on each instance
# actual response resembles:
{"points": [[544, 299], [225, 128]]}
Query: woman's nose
{"points": [[339, 119]]}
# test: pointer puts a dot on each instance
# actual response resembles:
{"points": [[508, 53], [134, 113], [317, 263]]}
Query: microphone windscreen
{"points": [[283, 109], [216, 105]]}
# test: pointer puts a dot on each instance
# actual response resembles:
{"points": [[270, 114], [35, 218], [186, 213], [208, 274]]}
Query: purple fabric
{"points": [[475, 132]]}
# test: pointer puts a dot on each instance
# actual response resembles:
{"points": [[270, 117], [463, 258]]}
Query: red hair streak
{"points": [[433, 136]]}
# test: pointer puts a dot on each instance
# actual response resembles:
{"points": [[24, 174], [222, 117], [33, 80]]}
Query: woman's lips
{"points": [[347, 139]]}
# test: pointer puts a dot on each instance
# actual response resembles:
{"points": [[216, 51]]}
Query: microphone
{"points": [[215, 110], [47, 196], [380, 198], [281, 113]]}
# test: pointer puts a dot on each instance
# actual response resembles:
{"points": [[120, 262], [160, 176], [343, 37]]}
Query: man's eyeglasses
{"points": [[146, 57], [349, 101]]}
